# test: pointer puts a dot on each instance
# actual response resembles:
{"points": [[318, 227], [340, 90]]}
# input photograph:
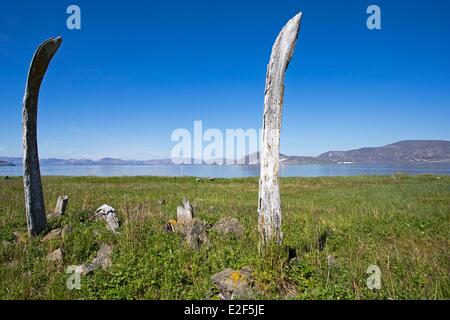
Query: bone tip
{"points": [[57, 39], [298, 16]]}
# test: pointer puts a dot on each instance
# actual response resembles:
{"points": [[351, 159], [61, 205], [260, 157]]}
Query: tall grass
{"points": [[400, 223]]}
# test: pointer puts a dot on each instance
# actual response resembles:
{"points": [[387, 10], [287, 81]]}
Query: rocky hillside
{"points": [[403, 151]]}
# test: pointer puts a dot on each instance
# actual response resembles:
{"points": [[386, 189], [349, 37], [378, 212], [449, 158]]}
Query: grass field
{"points": [[399, 223]]}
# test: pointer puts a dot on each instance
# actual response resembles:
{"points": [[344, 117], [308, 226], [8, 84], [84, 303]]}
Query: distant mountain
{"points": [[5, 163], [421, 151], [403, 151], [411, 151], [253, 158]]}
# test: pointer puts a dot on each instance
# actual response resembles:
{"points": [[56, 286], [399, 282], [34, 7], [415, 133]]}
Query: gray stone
{"points": [[234, 284], [102, 260], [53, 234], [56, 256], [229, 225], [196, 233]]}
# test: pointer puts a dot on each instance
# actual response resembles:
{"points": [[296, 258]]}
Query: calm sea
{"points": [[235, 171]]}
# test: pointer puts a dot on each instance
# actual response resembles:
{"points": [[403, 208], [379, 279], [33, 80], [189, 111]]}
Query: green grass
{"points": [[400, 223]]}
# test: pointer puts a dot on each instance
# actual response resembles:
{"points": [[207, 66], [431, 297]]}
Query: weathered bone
{"points": [[269, 209], [34, 198]]}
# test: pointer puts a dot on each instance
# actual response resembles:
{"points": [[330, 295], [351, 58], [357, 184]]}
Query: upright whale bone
{"points": [[269, 207], [34, 197]]}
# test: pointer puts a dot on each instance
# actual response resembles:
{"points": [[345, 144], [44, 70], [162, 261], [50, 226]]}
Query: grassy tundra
{"points": [[400, 223]]}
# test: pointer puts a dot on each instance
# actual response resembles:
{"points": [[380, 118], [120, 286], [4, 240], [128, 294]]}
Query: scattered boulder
{"points": [[56, 256], [194, 230], [234, 284], [211, 178], [198, 179], [185, 213], [196, 233], [108, 214], [102, 260], [229, 225], [53, 234]]}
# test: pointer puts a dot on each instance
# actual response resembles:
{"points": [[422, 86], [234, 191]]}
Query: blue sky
{"points": [[137, 70]]}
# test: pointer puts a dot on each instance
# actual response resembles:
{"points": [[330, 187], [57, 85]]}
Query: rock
{"points": [[194, 230], [20, 237], [185, 213], [211, 179], [162, 202], [102, 260], [56, 257], [233, 284], [108, 214], [53, 234], [196, 233], [66, 231], [198, 179], [170, 226], [229, 226]]}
